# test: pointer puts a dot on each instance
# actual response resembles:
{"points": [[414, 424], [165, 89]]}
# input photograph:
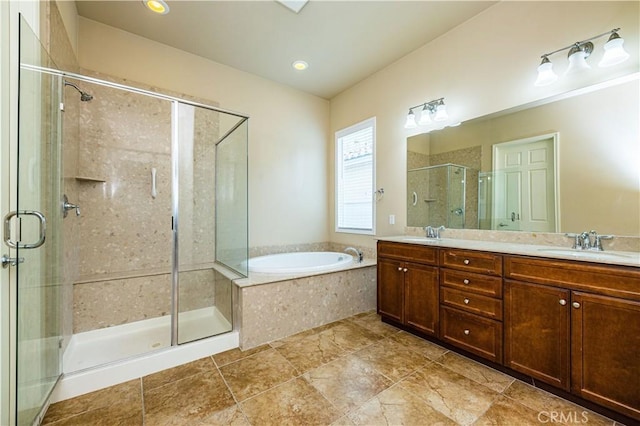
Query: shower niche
{"points": [[436, 196]]}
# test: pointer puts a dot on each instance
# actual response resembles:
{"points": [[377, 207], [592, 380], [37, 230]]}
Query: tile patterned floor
{"points": [[358, 371]]}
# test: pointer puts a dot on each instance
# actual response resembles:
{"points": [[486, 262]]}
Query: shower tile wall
{"points": [[432, 186], [125, 241], [469, 157]]}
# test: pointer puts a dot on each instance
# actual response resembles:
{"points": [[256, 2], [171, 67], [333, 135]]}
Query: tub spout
{"points": [[358, 253]]}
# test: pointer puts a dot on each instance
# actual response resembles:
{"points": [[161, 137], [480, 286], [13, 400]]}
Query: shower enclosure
{"points": [[133, 221], [436, 196]]}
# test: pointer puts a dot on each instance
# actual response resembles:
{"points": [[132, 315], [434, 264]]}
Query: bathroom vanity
{"points": [[572, 324]]}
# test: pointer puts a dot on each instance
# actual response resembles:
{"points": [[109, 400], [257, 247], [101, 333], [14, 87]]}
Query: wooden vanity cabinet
{"points": [[471, 301], [605, 359], [586, 342], [537, 327], [408, 285]]}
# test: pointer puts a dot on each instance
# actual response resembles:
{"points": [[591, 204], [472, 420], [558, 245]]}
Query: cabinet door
{"points": [[605, 337], [390, 289], [421, 298], [536, 322]]}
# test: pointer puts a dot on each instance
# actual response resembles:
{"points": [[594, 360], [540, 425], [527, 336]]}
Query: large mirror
{"points": [[568, 164]]}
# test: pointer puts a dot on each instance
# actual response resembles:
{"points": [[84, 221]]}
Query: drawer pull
{"points": [[563, 302], [466, 301], [467, 331], [466, 261], [576, 305], [466, 281]]}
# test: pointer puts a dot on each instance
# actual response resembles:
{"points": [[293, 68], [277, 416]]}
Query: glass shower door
{"points": [[35, 226]]}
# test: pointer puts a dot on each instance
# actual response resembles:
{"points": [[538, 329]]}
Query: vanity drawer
{"points": [[472, 333], [468, 281], [472, 302], [610, 280], [408, 252], [473, 261]]}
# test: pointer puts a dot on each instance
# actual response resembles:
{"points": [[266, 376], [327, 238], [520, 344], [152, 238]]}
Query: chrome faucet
{"points": [[588, 240], [358, 253], [432, 232]]}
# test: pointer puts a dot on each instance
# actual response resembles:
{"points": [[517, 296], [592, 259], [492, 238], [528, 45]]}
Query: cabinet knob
{"points": [[465, 281], [576, 305], [563, 302], [466, 301], [466, 261], [405, 270], [400, 268], [467, 331]]}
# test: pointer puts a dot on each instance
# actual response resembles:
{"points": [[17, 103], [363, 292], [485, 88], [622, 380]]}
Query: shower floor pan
{"points": [[107, 345]]}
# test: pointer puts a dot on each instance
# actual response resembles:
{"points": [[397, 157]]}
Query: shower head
{"points": [[84, 96]]}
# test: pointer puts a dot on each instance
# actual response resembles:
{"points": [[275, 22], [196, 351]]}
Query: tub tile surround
{"points": [[276, 306], [389, 377]]}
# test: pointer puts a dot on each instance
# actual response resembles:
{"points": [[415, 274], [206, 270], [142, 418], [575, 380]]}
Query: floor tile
{"points": [[187, 401], [129, 391], [351, 336], [347, 382], [541, 401], [293, 338], [391, 359], [255, 374], [160, 378], [295, 402], [231, 416], [122, 414], [505, 411], [236, 354], [475, 371], [424, 347], [397, 406], [452, 394], [371, 321], [311, 351]]}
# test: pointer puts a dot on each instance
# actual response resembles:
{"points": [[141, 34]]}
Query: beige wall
{"points": [[485, 65], [288, 129]]}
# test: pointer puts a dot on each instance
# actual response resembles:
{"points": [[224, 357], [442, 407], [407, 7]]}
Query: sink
{"points": [[419, 239], [586, 254]]}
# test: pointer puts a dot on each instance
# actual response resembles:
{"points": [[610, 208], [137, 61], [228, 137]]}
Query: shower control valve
{"points": [[66, 206]]}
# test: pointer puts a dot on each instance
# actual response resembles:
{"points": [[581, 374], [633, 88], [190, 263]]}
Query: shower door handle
{"points": [[17, 244]]}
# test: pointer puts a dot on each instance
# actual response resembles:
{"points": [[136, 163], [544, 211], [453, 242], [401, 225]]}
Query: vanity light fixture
{"points": [[579, 51], [432, 111], [158, 6]]}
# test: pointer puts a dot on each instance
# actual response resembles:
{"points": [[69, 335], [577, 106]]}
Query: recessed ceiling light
{"points": [[157, 6], [300, 65]]}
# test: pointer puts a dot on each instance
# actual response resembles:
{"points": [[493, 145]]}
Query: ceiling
{"points": [[343, 41]]}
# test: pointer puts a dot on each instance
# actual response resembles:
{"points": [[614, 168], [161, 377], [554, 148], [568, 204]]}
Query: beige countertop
{"points": [[625, 258]]}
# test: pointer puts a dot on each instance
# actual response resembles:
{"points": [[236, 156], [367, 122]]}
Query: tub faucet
{"points": [[358, 253]]}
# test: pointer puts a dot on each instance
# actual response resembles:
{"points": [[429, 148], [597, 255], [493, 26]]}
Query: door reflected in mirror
{"points": [[595, 153]]}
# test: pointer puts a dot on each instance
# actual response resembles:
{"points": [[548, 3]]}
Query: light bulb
{"points": [[441, 112], [546, 75], [411, 121], [577, 59], [425, 116], [614, 53], [157, 6]]}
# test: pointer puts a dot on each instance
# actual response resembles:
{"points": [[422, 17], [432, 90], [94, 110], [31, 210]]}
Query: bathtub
{"points": [[299, 262]]}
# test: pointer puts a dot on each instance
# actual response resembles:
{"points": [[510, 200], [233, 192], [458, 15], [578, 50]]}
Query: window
{"points": [[355, 160]]}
